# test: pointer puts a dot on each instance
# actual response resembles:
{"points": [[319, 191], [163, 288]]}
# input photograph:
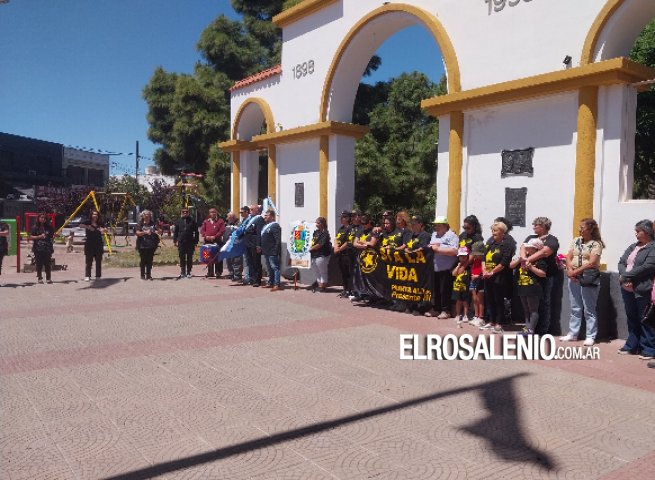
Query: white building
{"points": [[548, 78], [151, 175]]}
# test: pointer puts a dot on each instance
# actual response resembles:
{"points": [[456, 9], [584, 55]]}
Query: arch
{"points": [[429, 21], [266, 112], [624, 20]]}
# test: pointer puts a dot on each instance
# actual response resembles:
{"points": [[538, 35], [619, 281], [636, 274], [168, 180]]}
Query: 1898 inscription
{"points": [[499, 5]]}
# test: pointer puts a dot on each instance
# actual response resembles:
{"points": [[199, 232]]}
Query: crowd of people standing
{"points": [[474, 280]]}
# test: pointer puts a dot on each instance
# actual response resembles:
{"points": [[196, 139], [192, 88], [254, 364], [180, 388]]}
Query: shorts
{"points": [[460, 296], [477, 285]]}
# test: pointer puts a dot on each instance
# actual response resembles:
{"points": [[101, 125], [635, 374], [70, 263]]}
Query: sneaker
{"points": [[143, 277], [568, 338], [148, 278], [650, 364], [48, 281], [276, 288], [625, 351], [487, 326], [188, 275], [181, 276], [476, 322], [443, 315], [589, 342], [39, 280], [87, 279], [464, 319], [497, 329], [646, 357]]}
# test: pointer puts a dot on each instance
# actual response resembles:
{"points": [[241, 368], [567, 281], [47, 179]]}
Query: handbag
{"points": [[589, 277], [648, 318]]}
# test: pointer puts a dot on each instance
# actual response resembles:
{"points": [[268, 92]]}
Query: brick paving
{"points": [[198, 379]]}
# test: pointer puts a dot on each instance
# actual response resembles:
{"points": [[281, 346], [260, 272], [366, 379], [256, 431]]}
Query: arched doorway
{"points": [[253, 170], [351, 59]]}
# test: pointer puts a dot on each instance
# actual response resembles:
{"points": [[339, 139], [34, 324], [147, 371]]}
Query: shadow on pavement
{"points": [[104, 282], [501, 428]]}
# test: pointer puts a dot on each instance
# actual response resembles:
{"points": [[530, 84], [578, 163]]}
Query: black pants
{"points": [[186, 258], [147, 255], [495, 294], [443, 290], [345, 266], [2, 256], [254, 262], [90, 257], [215, 268], [42, 261]]}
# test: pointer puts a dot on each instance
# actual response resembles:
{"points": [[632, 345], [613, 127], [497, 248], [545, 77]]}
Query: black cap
{"points": [[345, 213], [387, 213], [417, 219]]}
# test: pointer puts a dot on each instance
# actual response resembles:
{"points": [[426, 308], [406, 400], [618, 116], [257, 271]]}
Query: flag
{"points": [[233, 248]]}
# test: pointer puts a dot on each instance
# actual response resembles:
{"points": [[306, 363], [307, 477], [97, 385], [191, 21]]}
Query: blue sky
{"points": [[72, 71]]}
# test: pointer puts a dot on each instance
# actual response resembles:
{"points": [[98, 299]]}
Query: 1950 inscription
{"points": [[499, 5]]}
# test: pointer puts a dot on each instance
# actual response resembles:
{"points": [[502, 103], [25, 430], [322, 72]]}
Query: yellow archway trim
{"points": [[302, 10], [591, 40], [266, 110], [430, 21]]}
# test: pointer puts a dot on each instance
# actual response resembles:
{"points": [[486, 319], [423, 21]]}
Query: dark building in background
{"points": [[26, 162], [31, 168]]}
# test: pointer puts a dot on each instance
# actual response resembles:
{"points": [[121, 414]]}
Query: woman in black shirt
{"points": [[93, 248], [148, 236], [320, 253], [42, 235]]}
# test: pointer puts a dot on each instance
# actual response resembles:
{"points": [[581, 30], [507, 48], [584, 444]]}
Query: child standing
{"points": [[477, 284], [462, 274], [69, 242], [528, 284]]}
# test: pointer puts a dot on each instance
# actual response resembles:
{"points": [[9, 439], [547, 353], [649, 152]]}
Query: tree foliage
{"points": [[188, 114], [644, 166], [396, 161]]}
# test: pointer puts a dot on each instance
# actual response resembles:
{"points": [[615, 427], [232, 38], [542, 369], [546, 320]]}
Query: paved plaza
{"points": [[198, 379]]}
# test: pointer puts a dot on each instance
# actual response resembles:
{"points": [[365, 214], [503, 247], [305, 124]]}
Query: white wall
{"points": [[297, 163], [548, 125]]}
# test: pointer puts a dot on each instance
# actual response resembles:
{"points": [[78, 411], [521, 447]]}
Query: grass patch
{"points": [[126, 257]]}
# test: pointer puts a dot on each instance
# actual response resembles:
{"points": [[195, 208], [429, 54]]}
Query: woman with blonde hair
{"points": [[147, 241]]}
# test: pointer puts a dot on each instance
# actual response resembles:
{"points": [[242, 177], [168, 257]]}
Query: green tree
{"points": [[188, 114], [396, 161], [643, 52]]}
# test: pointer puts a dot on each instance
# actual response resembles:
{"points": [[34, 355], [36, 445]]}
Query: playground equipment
{"points": [[90, 196]]}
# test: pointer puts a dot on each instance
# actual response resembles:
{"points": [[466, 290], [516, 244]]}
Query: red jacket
{"points": [[216, 229]]}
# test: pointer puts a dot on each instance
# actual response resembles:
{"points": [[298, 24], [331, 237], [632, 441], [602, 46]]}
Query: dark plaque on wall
{"points": [[515, 205], [300, 194], [517, 162]]}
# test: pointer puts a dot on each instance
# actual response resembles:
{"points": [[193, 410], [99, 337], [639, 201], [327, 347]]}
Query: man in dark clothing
{"points": [[253, 239], [271, 248], [420, 238], [342, 255], [541, 227], [186, 238]]}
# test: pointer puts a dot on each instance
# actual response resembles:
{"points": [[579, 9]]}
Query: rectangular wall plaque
{"points": [[300, 194], [517, 162], [515, 199]]}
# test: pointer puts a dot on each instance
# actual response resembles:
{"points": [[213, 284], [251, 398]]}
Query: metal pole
{"points": [[17, 243], [137, 162]]}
